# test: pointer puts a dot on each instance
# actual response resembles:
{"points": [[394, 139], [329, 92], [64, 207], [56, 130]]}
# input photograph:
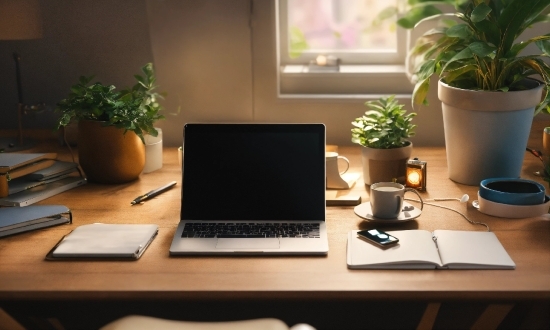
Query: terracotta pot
{"points": [[385, 165], [107, 155]]}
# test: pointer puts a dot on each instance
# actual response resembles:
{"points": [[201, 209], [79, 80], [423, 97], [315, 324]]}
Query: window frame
{"points": [[360, 74], [348, 57]]}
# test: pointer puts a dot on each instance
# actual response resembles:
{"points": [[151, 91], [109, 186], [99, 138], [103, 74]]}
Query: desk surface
{"points": [[25, 275]]}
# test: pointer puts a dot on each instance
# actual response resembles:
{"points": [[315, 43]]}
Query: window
{"points": [[370, 51]]}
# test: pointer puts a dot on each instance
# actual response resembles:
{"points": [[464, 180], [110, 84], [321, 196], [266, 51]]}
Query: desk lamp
{"points": [[19, 20]]}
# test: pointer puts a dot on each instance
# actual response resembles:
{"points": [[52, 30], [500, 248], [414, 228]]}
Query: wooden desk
{"points": [[317, 290]]}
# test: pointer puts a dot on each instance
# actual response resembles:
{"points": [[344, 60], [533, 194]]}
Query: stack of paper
{"points": [[26, 178]]}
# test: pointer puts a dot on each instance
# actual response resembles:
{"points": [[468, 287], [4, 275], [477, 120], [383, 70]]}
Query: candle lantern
{"points": [[416, 174]]}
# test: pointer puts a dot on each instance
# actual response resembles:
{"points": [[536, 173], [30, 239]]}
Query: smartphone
{"points": [[378, 237]]}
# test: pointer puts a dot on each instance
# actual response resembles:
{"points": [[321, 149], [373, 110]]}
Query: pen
{"points": [[153, 193]]}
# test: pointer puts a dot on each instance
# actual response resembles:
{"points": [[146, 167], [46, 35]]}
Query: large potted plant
{"points": [[487, 93], [111, 125], [383, 131]]}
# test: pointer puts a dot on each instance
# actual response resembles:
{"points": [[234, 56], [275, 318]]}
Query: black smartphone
{"points": [[378, 237]]}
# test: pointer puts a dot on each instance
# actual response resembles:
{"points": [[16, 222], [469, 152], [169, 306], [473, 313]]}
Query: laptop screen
{"points": [[253, 172]]}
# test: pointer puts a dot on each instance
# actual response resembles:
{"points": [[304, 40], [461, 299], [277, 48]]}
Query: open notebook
{"points": [[422, 249]]}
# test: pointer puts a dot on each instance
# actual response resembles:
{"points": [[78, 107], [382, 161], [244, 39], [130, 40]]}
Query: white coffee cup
{"points": [[386, 199], [332, 163], [334, 180]]}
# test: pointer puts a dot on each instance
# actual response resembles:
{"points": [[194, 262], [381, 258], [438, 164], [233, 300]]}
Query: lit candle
{"points": [[321, 60]]}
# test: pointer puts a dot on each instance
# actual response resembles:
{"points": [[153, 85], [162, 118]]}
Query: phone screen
{"points": [[378, 236]]}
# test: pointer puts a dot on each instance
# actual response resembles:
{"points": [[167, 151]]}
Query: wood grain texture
{"points": [[25, 275]]}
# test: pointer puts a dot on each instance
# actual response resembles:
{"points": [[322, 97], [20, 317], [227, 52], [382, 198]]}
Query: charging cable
{"points": [[463, 199]]}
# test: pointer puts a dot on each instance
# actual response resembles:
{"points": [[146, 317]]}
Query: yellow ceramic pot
{"points": [[107, 154]]}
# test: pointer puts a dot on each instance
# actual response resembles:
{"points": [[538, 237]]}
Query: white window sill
{"points": [[351, 81]]}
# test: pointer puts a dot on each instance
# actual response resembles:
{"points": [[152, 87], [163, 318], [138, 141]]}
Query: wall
{"points": [[215, 59], [108, 39]]}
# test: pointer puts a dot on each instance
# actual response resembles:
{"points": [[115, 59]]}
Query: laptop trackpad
{"points": [[247, 243]]}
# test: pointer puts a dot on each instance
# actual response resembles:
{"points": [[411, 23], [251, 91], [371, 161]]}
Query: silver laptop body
{"points": [[264, 182]]}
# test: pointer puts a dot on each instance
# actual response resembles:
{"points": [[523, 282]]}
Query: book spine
{"points": [[4, 190]]}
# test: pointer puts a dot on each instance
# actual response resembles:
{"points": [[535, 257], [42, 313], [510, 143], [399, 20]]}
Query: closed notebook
{"points": [[26, 193], [58, 169], [101, 240], [18, 220], [422, 249], [15, 165]]}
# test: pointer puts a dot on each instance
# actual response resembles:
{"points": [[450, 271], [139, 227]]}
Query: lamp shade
{"points": [[20, 19]]}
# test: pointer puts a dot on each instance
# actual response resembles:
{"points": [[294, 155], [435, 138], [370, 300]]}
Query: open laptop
{"points": [[252, 189]]}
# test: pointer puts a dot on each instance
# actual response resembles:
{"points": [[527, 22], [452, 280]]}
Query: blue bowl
{"points": [[512, 191]]}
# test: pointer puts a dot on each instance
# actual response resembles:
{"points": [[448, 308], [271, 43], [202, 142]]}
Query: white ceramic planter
{"points": [[486, 132], [384, 165]]}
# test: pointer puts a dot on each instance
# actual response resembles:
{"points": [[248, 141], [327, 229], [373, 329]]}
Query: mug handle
{"points": [[417, 194], [347, 163]]}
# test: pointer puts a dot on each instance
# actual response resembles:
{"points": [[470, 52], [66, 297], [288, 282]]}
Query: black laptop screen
{"points": [[253, 172]]}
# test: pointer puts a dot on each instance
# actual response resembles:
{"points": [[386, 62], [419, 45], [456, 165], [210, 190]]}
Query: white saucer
{"points": [[511, 211], [364, 211]]}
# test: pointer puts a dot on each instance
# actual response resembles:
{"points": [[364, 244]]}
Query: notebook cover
{"points": [[11, 161], [57, 169], [15, 220], [36, 194], [105, 241]]}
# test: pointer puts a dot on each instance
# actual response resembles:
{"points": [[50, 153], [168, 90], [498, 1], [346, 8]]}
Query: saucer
{"points": [[364, 211], [511, 211]]}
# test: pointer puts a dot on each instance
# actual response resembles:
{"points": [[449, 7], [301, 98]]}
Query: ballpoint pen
{"points": [[153, 193]]}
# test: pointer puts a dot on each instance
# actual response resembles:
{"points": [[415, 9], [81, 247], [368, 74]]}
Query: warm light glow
{"points": [[416, 174], [414, 177]]}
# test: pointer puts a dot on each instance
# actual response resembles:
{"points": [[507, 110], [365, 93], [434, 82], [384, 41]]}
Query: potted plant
{"points": [[111, 125], [488, 97], [383, 132]]}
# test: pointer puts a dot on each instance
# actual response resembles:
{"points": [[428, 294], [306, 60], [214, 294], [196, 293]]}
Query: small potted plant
{"points": [[487, 93], [111, 125], [383, 131]]}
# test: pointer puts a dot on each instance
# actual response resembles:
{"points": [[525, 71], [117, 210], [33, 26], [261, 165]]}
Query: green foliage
{"points": [[135, 109], [482, 52], [386, 125], [298, 43]]}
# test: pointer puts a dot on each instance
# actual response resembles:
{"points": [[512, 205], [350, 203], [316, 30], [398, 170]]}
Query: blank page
{"points": [[415, 250], [472, 250]]}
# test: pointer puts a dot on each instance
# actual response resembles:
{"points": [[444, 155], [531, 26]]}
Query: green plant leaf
{"points": [[466, 53], [482, 49], [543, 43], [297, 43], [420, 92], [489, 30], [130, 109], [462, 31], [455, 74], [385, 125], [515, 18], [480, 12]]}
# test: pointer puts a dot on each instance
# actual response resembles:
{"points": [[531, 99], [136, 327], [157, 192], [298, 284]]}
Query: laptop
{"points": [[252, 189]]}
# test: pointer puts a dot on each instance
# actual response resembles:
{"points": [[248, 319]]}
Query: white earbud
{"points": [[464, 198]]}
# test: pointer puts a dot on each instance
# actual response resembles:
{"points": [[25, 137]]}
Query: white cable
{"points": [[464, 199]]}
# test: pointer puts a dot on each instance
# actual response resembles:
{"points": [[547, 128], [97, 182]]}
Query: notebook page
{"points": [[415, 250], [472, 250]]}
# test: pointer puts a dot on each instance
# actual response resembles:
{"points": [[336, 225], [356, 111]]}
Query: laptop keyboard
{"points": [[250, 230]]}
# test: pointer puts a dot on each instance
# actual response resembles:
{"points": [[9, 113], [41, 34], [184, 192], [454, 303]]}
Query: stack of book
{"points": [[26, 178]]}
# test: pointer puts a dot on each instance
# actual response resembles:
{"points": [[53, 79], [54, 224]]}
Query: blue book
{"points": [[14, 220]]}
